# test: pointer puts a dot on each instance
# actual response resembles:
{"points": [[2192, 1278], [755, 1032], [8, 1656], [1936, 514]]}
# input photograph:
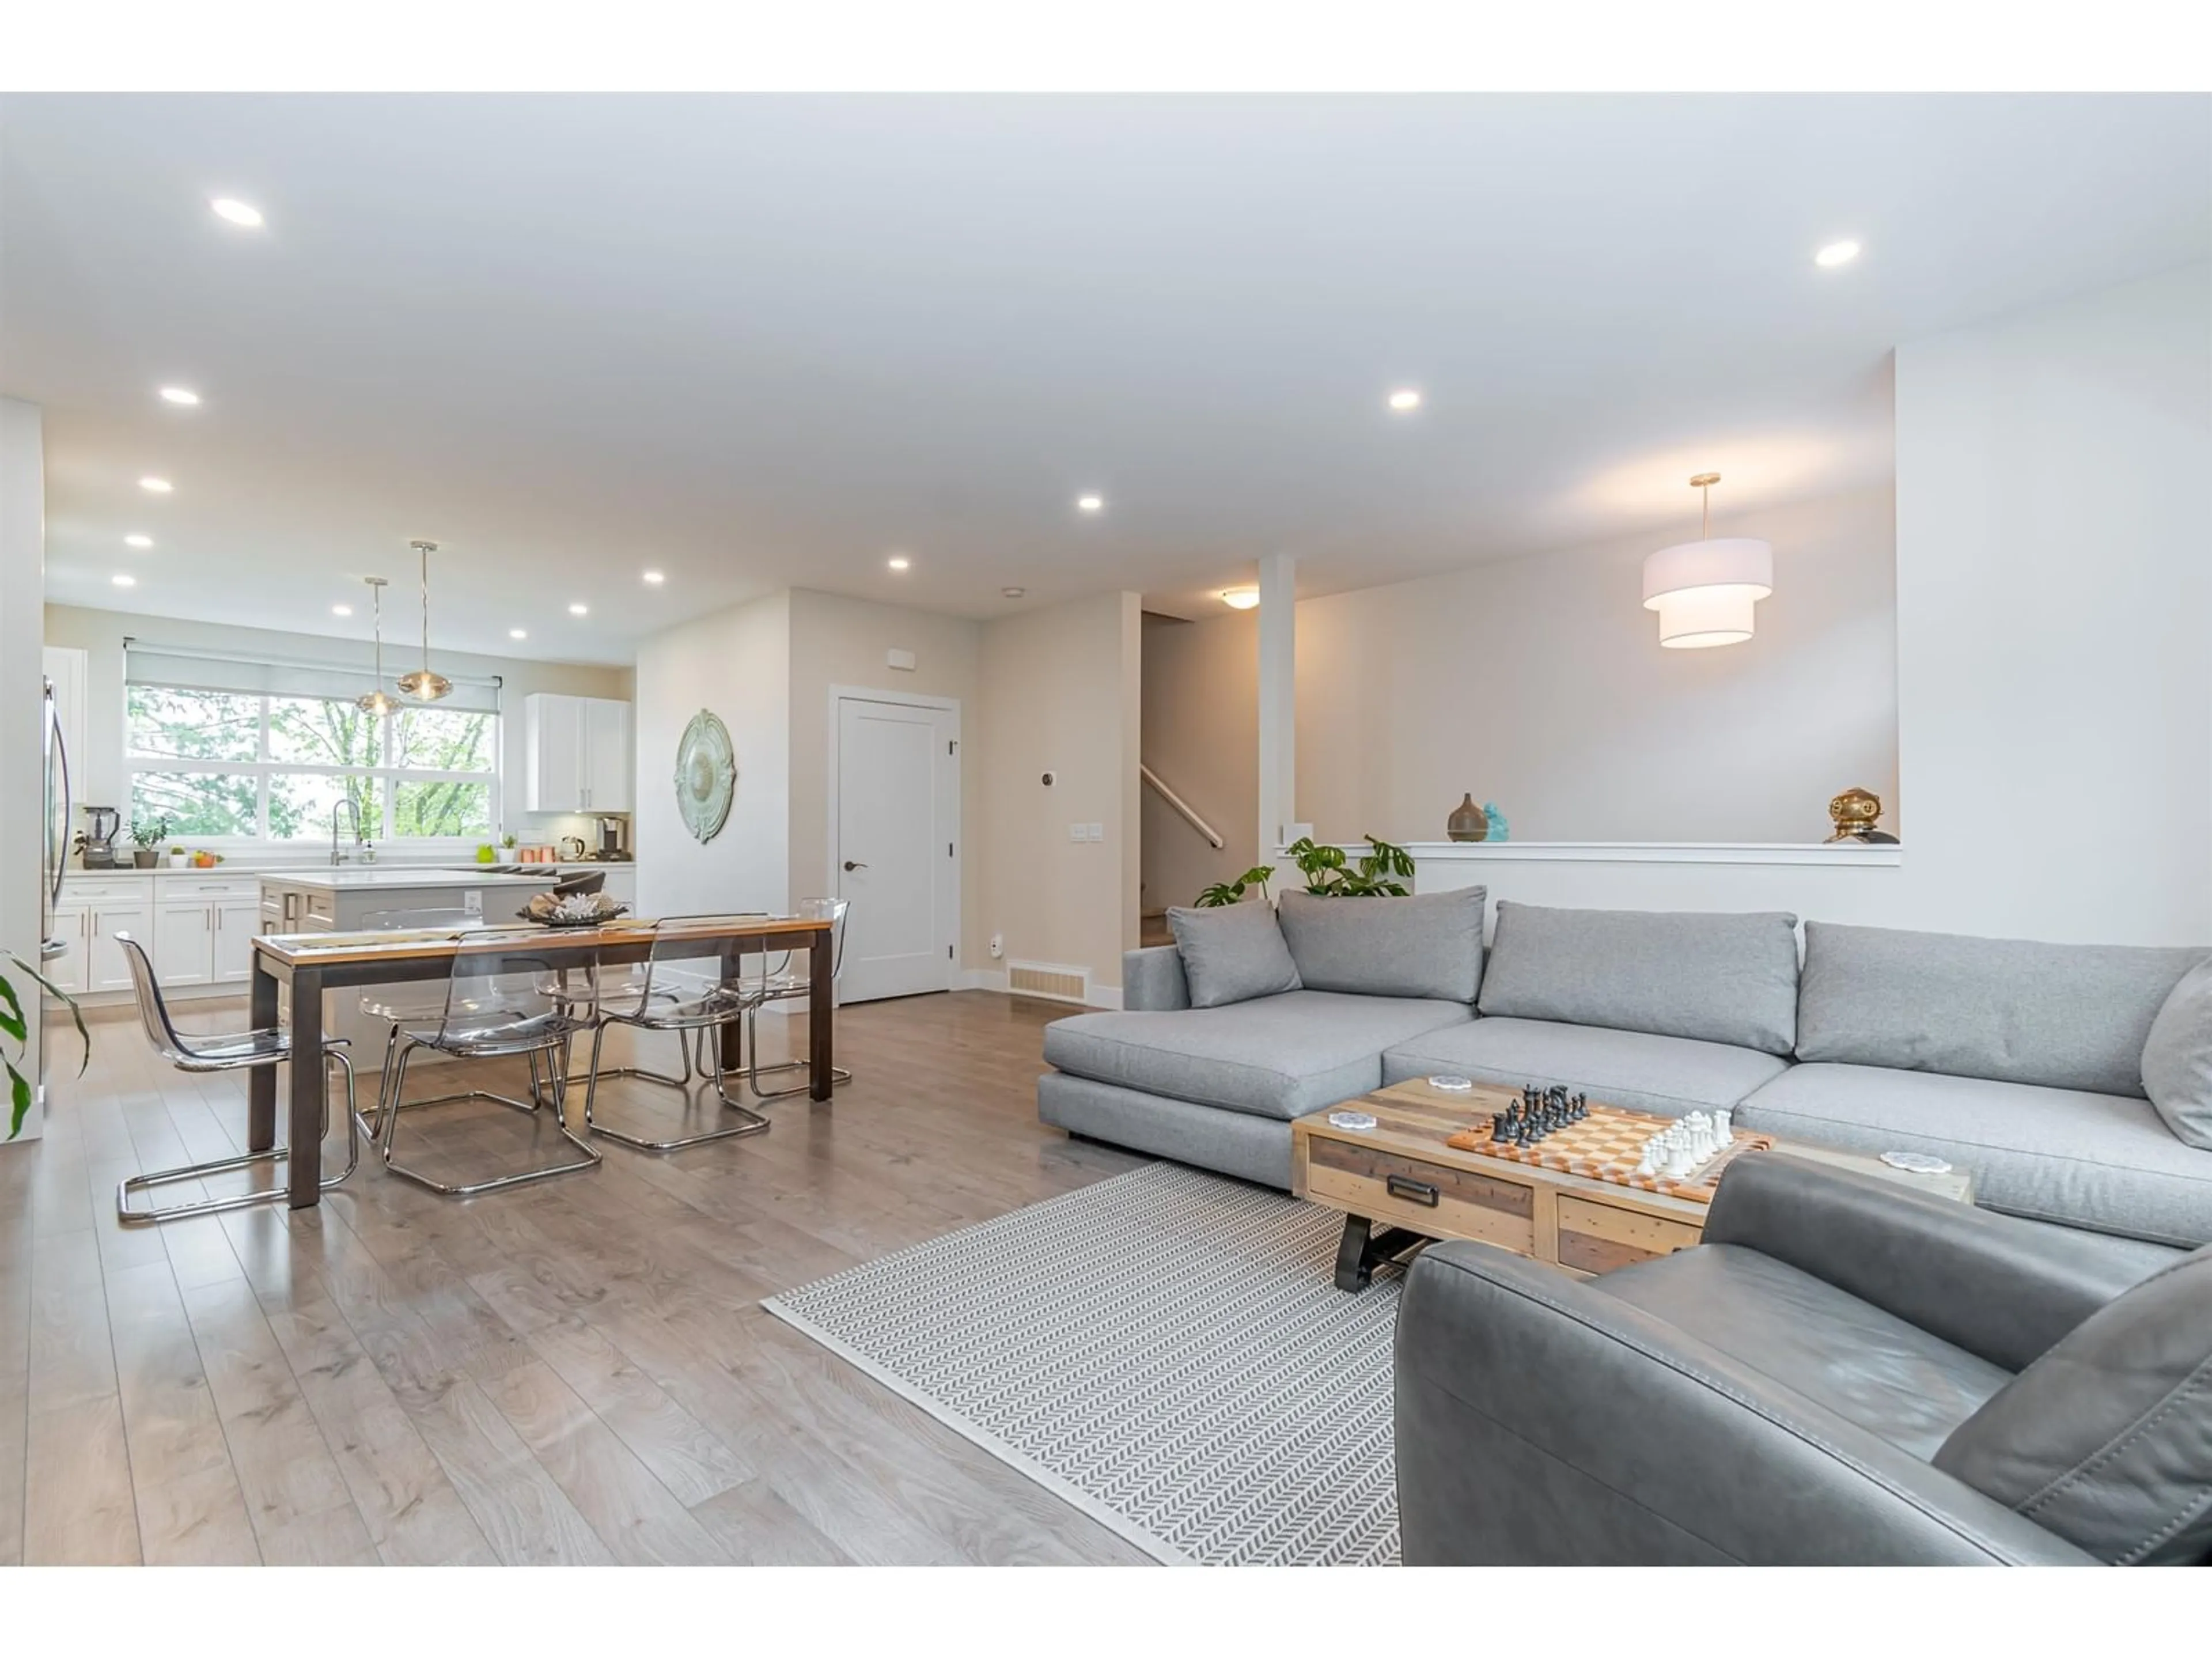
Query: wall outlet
{"points": [[998, 946]]}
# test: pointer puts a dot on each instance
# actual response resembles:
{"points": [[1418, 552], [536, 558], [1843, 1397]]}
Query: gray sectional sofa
{"points": [[2020, 1062]]}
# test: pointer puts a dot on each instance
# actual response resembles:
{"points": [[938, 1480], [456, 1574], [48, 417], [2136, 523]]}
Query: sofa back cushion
{"points": [[1232, 953], [2062, 1016], [2177, 1059], [1716, 977], [2106, 1439], [1428, 946]]}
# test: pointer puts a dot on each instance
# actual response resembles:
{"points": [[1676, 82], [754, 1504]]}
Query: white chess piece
{"points": [[1695, 1128], [1722, 1126], [1648, 1165]]}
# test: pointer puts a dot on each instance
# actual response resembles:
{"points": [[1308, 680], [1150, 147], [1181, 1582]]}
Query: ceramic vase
{"points": [[1467, 821]]}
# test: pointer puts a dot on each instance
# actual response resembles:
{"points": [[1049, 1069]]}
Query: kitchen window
{"points": [[236, 751]]}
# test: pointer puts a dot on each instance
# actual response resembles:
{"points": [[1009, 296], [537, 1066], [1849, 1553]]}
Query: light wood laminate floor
{"points": [[577, 1371]]}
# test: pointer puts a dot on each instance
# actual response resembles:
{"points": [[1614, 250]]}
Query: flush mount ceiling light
{"points": [[1405, 399], [377, 701], [177, 394], [1240, 599], [1091, 503], [1012, 593], [1837, 253], [580, 611], [238, 212], [423, 685], [138, 541], [122, 580], [899, 562], [340, 611], [1704, 590], [517, 632], [156, 486], [654, 578]]}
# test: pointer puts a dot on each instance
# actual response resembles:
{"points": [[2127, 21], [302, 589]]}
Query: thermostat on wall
{"points": [[899, 660]]}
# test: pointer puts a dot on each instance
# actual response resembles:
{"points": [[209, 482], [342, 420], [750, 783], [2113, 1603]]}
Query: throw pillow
{"points": [[2177, 1058], [1232, 953], [1428, 946]]}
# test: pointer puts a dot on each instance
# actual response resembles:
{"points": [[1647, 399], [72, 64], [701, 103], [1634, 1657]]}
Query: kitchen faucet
{"points": [[347, 804]]}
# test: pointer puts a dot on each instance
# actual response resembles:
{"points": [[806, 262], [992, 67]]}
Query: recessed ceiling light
{"points": [[1012, 593], [898, 561], [580, 611], [159, 486], [1091, 503], [177, 394], [1240, 599], [121, 580], [1837, 253], [137, 540], [517, 632], [340, 611], [238, 212], [655, 578], [1405, 399]]}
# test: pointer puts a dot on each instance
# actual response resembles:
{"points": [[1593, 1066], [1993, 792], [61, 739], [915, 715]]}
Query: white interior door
{"points": [[897, 857]]}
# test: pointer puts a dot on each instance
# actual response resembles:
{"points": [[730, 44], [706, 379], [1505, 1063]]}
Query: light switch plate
{"points": [[1094, 831], [1075, 832]]}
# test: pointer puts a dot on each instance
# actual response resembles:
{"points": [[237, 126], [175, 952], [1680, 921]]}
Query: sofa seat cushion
{"points": [[1279, 1056], [1873, 1369], [2105, 1163], [1646, 1073]]}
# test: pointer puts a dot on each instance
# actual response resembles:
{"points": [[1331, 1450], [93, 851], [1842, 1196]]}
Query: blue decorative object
{"points": [[1498, 828]]}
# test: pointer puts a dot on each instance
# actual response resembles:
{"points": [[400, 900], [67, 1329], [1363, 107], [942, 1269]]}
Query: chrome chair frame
{"points": [[693, 1020], [548, 1043], [782, 986], [222, 1054]]}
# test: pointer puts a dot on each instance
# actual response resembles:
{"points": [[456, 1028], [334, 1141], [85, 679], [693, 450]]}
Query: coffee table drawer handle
{"points": [[1415, 1192]]}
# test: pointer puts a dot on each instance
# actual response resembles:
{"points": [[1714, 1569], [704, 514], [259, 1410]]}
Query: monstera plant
{"points": [[1380, 873], [16, 1024]]}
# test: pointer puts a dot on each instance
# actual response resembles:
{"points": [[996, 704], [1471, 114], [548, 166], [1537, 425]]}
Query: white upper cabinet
{"points": [[579, 754]]}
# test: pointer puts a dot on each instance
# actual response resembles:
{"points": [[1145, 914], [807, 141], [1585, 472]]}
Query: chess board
{"points": [[1607, 1145]]}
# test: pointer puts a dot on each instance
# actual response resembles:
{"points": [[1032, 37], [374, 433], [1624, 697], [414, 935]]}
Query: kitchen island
{"points": [[366, 898]]}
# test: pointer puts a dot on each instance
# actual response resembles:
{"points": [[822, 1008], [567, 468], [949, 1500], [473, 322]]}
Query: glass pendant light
{"points": [[423, 685], [378, 701], [1704, 590]]}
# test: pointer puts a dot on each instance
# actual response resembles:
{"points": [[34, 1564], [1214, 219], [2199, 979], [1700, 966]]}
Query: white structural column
{"points": [[22, 636], [1279, 712]]}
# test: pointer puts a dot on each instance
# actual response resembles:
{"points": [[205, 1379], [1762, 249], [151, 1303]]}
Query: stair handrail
{"points": [[1182, 807]]}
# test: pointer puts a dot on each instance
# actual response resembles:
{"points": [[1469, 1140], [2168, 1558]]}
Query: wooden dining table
{"points": [[312, 964]]}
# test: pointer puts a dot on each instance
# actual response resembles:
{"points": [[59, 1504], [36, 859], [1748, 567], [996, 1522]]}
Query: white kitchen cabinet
{"points": [[106, 967], [236, 921], [72, 925], [578, 750], [184, 943]]}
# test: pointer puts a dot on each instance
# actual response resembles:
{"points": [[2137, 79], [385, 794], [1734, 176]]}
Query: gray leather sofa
{"points": [[1845, 1372], [2019, 1062]]}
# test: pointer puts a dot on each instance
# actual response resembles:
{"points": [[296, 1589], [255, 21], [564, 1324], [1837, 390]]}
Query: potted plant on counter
{"points": [[1381, 872], [147, 835]]}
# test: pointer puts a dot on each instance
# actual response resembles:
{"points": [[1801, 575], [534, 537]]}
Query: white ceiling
{"points": [[753, 341]]}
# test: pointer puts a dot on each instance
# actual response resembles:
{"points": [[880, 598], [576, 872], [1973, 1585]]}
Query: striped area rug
{"points": [[1166, 1349]]}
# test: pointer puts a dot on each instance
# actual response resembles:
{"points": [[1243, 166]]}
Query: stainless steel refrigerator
{"points": [[54, 844]]}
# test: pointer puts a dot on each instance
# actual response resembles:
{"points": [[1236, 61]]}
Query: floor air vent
{"points": [[1048, 980]]}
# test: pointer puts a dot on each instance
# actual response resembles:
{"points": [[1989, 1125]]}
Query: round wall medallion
{"points": [[706, 775]]}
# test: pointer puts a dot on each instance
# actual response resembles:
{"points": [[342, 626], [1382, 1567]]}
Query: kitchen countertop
{"points": [[255, 867], [346, 878]]}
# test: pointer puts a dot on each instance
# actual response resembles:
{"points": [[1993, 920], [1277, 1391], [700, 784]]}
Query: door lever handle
{"points": [[852, 865]]}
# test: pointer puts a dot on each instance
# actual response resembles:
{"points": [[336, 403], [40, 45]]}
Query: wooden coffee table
{"points": [[1399, 1184]]}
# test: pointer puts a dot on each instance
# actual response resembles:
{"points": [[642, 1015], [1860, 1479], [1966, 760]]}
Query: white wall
{"points": [[1201, 736], [102, 633], [736, 662], [1540, 683], [2054, 496], [1061, 692], [841, 642], [22, 593]]}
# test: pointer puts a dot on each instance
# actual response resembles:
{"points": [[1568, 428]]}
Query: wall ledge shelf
{"points": [[1836, 855]]}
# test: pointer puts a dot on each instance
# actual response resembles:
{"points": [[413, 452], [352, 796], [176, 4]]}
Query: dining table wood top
{"points": [[346, 949]]}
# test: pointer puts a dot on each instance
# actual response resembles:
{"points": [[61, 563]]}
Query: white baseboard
{"points": [[994, 979]]}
